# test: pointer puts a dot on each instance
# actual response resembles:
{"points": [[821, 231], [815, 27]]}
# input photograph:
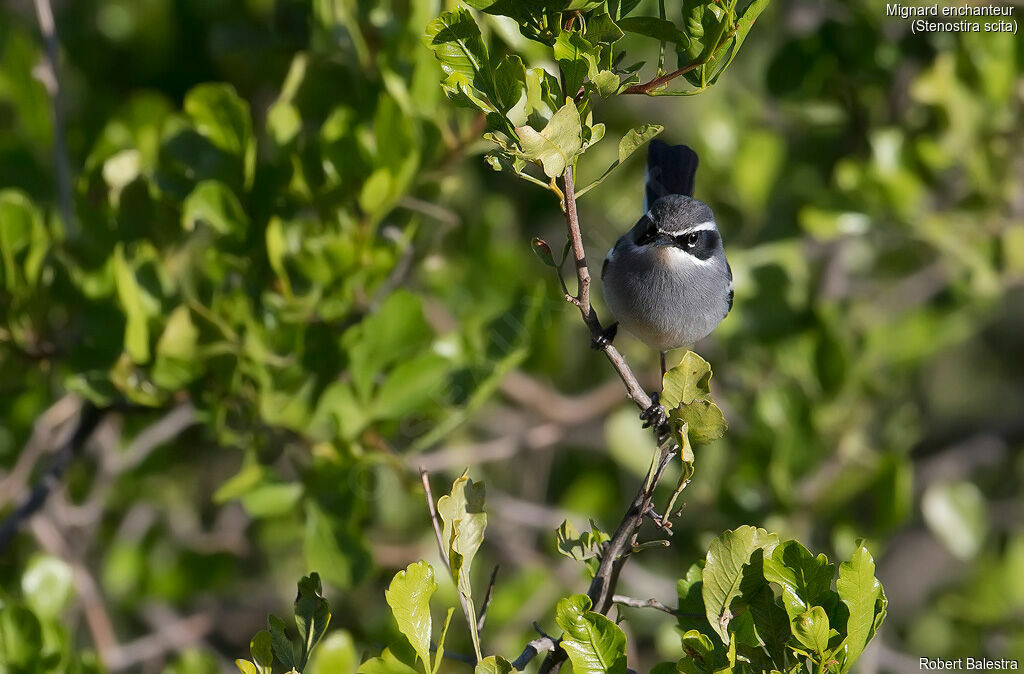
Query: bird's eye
{"points": [[691, 239]]}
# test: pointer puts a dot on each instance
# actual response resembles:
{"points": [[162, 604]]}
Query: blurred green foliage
{"points": [[282, 222]]}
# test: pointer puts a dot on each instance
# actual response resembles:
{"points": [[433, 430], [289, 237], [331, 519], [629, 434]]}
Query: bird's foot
{"points": [[605, 339], [655, 417]]}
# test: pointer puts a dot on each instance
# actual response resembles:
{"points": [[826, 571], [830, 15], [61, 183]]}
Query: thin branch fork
{"points": [[618, 550], [657, 82]]}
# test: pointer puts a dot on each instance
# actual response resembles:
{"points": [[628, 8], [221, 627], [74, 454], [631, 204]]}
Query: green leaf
{"points": [[462, 511], [246, 667], [396, 330], [221, 116], [261, 649], [811, 629], [439, 655], [312, 614], [577, 59], [555, 147], [580, 547], [331, 546], [21, 229], [630, 143], [130, 294], [336, 654], [411, 385], [806, 577], [458, 45], [704, 421], [271, 498], [214, 204], [601, 29], [387, 663], [860, 591], [283, 647], [659, 29], [176, 363], [409, 598], [686, 382], [509, 83], [686, 394], [593, 642], [21, 638], [723, 574], [493, 664], [771, 622], [606, 83], [690, 590]]}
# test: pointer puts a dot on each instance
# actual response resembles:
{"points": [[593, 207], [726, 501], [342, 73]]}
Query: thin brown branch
{"points": [[434, 519], [657, 82], [101, 628], [88, 419], [482, 617], [643, 603], [621, 545], [51, 82], [636, 392]]}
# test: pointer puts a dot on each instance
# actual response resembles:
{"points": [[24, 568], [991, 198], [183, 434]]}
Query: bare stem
{"points": [[51, 82], [582, 298], [621, 546]]}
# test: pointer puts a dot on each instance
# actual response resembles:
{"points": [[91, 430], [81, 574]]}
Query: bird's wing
{"points": [[671, 169]]}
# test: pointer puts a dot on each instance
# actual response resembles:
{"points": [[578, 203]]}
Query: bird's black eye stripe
{"points": [[688, 240]]}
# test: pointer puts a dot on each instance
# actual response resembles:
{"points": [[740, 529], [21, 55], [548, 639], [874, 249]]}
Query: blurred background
{"points": [[281, 254]]}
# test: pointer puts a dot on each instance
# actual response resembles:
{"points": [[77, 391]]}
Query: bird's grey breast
{"points": [[663, 295]]}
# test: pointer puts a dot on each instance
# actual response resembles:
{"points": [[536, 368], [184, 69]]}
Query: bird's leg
{"points": [[655, 415], [604, 340]]}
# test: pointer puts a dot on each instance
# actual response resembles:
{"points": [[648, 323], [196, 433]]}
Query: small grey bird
{"points": [[667, 280]]}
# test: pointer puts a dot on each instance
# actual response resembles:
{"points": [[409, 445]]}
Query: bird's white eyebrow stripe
{"points": [[701, 227]]}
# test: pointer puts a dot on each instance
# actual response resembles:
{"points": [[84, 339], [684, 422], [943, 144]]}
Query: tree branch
{"points": [[620, 547], [635, 391], [658, 82], [88, 419], [51, 82]]}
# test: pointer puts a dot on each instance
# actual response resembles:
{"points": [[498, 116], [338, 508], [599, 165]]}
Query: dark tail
{"points": [[671, 169]]}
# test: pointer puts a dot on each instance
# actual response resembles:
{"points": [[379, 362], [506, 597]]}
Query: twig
{"points": [[648, 87], [434, 519], [582, 299], [51, 82], [174, 636], [620, 547], [96, 615], [643, 603], [467, 609], [482, 617], [657, 82], [538, 645], [88, 419]]}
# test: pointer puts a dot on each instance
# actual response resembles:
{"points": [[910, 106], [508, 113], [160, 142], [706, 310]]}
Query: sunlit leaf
{"points": [[593, 642], [408, 595]]}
